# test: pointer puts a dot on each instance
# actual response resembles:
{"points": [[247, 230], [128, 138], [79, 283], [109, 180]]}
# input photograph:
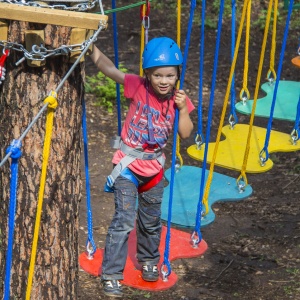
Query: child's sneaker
{"points": [[112, 288], [150, 273]]}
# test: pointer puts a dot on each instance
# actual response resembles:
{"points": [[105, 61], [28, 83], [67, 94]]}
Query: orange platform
{"points": [[180, 247]]}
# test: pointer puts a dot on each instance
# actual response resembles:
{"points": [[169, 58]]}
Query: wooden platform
{"points": [[52, 16]]}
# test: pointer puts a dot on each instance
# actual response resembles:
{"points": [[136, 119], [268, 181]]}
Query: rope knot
{"points": [[14, 149], [51, 100]]}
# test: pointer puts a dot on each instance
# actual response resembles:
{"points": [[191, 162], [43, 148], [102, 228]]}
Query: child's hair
{"points": [[161, 52]]}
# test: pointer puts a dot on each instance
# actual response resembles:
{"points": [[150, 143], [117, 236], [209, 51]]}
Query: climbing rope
{"points": [[244, 93], [178, 160], [196, 236], [90, 243], [199, 139], [126, 7], [116, 48], [145, 25], [16, 153], [166, 266], [264, 154], [233, 119], [295, 134], [242, 180], [51, 102], [271, 75]]}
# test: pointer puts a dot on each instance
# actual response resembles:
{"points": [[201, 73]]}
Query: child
{"points": [[138, 162]]}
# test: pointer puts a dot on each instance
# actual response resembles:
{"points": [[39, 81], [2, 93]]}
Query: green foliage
{"points": [[104, 89]]}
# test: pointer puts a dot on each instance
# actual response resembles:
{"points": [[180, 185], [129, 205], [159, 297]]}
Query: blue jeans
{"points": [[148, 227]]}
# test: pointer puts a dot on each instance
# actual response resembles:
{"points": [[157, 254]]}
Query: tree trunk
{"points": [[21, 98]]}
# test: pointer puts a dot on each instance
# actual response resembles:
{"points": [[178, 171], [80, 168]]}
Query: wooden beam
{"points": [[52, 16]]}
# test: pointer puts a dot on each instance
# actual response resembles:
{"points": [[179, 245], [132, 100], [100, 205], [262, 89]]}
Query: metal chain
{"points": [[81, 6], [41, 53]]}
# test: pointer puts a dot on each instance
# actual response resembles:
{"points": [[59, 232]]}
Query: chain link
{"points": [[81, 6], [41, 53]]}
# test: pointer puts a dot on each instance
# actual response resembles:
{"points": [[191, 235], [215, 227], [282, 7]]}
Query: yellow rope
{"points": [[257, 86], [178, 155], [178, 22], [52, 104], [271, 70], [246, 60], [142, 42], [210, 175]]}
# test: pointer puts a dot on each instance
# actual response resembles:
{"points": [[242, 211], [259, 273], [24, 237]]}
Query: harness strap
{"points": [[141, 189], [131, 155], [153, 182]]}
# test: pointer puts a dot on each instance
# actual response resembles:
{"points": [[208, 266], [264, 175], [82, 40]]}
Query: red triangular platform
{"points": [[180, 247]]}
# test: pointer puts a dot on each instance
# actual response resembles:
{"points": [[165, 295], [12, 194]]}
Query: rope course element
{"points": [[51, 102], [126, 7], [116, 47], [233, 119], [81, 5], [91, 40], [271, 74], [295, 134], [242, 180], [16, 153], [52, 16], [90, 243], [166, 266], [2, 63], [41, 53], [199, 137], [196, 236], [244, 93], [264, 154]]}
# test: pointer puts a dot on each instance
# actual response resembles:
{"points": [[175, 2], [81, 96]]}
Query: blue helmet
{"points": [[160, 52]]}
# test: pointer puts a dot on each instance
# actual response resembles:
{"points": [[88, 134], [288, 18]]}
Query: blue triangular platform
{"points": [[186, 195], [286, 101]]}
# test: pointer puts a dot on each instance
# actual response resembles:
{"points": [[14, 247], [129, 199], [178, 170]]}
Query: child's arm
{"points": [[106, 66], [185, 124]]}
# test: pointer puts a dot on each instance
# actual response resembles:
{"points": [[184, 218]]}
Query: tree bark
{"points": [[21, 98]]}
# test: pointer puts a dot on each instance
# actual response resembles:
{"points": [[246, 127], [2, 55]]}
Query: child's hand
{"points": [[180, 99]]}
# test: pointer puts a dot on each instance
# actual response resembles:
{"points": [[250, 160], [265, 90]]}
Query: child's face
{"points": [[162, 79]]}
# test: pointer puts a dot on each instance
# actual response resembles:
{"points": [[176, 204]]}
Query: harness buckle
{"points": [[149, 155]]}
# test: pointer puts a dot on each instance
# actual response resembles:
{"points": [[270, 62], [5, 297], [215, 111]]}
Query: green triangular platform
{"points": [[286, 103]]}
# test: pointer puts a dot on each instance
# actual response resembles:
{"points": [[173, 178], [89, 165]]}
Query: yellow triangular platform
{"points": [[231, 151]]}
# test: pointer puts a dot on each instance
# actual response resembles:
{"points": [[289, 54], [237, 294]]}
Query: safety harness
{"points": [[131, 155], [137, 153]]}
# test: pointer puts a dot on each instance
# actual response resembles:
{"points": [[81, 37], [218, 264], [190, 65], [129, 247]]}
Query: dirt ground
{"points": [[253, 244]]}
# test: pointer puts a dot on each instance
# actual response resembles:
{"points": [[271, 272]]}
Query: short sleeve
{"points": [[132, 83]]}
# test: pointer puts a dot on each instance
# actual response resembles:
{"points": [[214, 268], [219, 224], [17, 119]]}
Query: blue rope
{"points": [[90, 239], [210, 112], [116, 47], [201, 71], [16, 153], [296, 129], [232, 90], [269, 127], [166, 261]]}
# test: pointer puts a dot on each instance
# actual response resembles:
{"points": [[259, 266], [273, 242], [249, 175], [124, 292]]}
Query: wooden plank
{"points": [[52, 16]]}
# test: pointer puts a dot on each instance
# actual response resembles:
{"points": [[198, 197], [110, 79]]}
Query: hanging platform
{"points": [[187, 182], [231, 150], [285, 106], [52, 16], [296, 61], [180, 247]]}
